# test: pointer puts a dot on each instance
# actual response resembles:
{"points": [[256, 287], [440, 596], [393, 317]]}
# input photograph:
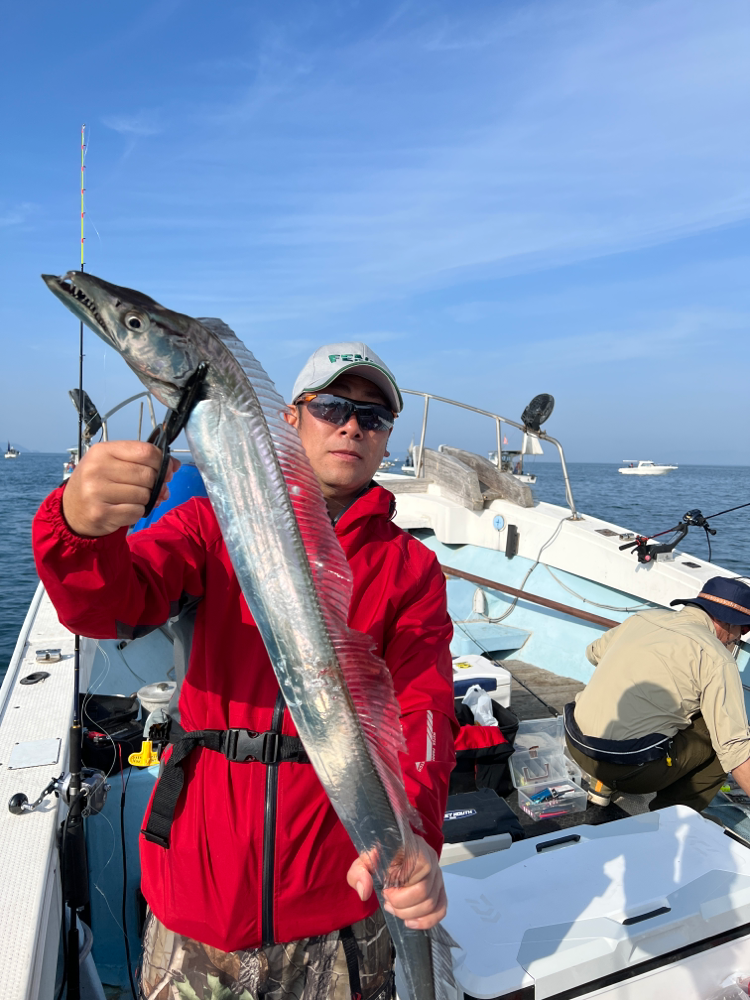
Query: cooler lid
{"points": [[566, 909], [472, 665]]}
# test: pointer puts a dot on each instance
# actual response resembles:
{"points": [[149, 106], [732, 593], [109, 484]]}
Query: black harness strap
{"points": [[351, 954], [637, 752], [242, 746]]}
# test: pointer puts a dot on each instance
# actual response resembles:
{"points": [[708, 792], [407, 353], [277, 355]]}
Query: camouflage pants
{"points": [[175, 967]]}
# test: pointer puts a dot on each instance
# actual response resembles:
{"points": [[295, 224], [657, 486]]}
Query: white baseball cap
{"points": [[332, 360]]}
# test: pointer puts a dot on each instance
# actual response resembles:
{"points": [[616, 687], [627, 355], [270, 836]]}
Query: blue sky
{"points": [[500, 198]]}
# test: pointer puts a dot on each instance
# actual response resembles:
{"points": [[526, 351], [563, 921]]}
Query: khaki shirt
{"points": [[655, 672]]}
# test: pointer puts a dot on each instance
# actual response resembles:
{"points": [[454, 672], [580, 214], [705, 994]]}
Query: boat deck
{"points": [[540, 686]]}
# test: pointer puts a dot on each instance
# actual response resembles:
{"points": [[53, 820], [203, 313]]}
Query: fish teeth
{"points": [[79, 294]]}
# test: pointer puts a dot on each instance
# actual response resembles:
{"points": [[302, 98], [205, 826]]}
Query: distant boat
{"points": [[12, 452], [512, 461], [644, 468], [70, 464]]}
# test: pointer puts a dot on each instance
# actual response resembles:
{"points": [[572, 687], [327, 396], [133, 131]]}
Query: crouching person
{"points": [[665, 709]]}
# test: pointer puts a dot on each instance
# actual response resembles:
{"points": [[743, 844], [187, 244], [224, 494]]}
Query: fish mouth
{"points": [[76, 299]]}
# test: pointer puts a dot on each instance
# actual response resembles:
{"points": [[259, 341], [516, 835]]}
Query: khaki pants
{"points": [[310, 969], [693, 779]]}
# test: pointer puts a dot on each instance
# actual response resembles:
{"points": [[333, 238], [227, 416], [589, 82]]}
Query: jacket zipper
{"points": [[269, 829]]}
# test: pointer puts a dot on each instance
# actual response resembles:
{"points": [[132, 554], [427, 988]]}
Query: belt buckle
{"points": [[246, 746], [271, 748]]}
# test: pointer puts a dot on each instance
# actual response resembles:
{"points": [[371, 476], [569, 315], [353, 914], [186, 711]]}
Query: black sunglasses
{"points": [[337, 410]]}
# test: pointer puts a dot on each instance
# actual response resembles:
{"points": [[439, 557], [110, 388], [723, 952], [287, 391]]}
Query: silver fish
{"points": [[294, 576]]}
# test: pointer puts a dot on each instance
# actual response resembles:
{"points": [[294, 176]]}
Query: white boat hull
{"points": [[644, 467], [654, 471]]}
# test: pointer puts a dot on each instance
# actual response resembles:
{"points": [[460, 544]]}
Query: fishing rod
{"points": [[83, 789], [73, 841]]}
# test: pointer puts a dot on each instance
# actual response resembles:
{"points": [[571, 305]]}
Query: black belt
{"points": [[241, 746], [636, 752]]}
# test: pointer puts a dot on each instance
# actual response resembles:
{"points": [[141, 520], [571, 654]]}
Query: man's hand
{"points": [[111, 486], [421, 903]]}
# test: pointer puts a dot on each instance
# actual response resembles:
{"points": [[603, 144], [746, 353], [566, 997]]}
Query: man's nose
{"points": [[351, 427]]}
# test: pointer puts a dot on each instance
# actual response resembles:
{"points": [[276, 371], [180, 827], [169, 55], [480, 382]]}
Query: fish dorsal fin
{"points": [[366, 675], [220, 329]]}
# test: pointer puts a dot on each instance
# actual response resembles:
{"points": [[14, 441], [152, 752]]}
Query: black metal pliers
{"points": [[174, 421]]}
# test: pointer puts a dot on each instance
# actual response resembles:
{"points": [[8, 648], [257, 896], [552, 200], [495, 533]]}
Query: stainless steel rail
{"points": [[427, 396], [130, 399]]}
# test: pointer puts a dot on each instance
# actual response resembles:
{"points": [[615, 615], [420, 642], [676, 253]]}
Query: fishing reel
{"points": [[94, 790], [648, 552], [695, 519]]}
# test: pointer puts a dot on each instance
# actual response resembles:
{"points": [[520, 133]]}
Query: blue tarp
{"points": [[185, 484]]}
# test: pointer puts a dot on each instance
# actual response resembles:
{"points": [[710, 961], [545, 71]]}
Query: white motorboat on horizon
{"points": [[12, 452], [643, 467]]}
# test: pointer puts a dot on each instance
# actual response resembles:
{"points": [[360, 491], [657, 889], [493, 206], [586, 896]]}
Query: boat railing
{"points": [[130, 399], [499, 421]]}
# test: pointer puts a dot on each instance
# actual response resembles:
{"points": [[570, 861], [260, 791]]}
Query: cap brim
{"points": [[373, 373]]}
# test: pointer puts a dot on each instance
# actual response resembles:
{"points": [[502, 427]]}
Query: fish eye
{"points": [[137, 322]]}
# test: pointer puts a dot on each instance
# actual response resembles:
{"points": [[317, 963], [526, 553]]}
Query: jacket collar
{"points": [[376, 502], [695, 613]]}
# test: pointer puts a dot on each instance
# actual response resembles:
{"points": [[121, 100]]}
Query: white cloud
{"points": [[141, 124], [578, 130], [698, 330], [16, 215]]}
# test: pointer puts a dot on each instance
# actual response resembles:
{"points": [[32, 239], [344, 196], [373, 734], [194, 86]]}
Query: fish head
{"points": [[162, 347]]}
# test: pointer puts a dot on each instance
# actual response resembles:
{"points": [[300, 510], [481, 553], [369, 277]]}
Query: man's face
{"points": [[727, 633], [344, 459]]}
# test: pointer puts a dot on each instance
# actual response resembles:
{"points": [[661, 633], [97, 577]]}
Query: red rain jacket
{"points": [[209, 883]]}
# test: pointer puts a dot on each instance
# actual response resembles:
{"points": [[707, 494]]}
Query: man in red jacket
{"points": [[254, 886]]}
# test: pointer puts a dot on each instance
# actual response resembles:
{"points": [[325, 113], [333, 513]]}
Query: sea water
{"points": [[642, 504], [24, 483]]}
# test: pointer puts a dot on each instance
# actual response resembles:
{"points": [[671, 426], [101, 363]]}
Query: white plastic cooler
{"points": [[644, 908], [474, 669]]}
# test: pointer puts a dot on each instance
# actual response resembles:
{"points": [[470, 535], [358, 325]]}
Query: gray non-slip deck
{"points": [[546, 687]]}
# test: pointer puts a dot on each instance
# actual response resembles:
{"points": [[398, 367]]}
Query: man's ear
{"points": [[386, 453], [292, 415]]}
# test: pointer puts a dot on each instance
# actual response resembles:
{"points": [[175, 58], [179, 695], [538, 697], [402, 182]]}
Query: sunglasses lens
{"points": [[374, 418], [337, 410], [332, 409]]}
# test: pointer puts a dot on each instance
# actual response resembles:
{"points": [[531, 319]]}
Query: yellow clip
{"points": [[669, 761], [145, 757]]}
